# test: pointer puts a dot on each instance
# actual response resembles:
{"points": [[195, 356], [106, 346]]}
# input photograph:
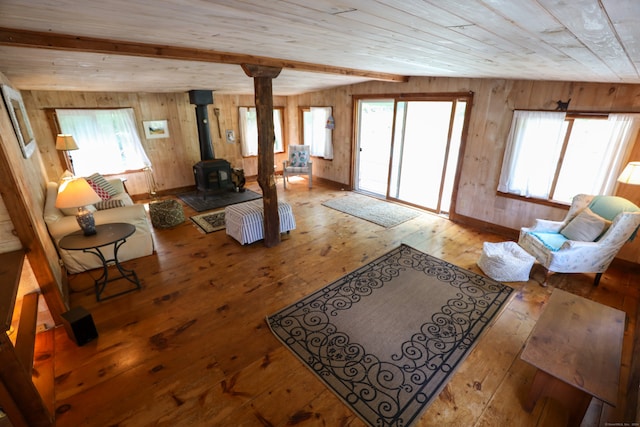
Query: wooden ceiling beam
{"points": [[43, 40]]}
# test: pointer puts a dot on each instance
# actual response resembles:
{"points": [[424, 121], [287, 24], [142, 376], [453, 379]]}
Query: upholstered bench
{"points": [[505, 262], [244, 221], [166, 213]]}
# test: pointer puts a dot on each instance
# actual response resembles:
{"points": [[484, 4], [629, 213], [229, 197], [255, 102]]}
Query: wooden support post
{"points": [[26, 337], [30, 229], [262, 81]]}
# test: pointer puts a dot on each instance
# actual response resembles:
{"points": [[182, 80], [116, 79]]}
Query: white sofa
{"points": [[139, 244]]}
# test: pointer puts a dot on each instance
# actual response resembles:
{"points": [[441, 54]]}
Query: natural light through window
{"points": [[554, 155], [317, 131], [108, 140], [249, 131]]}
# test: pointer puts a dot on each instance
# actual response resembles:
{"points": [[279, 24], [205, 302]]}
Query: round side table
{"points": [[106, 234]]}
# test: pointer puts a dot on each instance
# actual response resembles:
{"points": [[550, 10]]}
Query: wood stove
{"points": [[211, 174]]}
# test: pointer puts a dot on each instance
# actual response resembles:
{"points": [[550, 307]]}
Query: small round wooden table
{"points": [[106, 234]]}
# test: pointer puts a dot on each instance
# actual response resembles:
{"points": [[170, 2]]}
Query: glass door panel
{"points": [[421, 142], [452, 155], [375, 118]]}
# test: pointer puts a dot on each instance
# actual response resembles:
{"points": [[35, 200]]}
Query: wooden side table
{"points": [[576, 347], [106, 234]]}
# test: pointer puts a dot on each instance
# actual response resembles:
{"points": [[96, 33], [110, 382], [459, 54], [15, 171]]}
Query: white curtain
{"points": [[531, 154], [277, 130], [249, 131], [108, 141], [321, 136], [624, 133], [248, 134]]}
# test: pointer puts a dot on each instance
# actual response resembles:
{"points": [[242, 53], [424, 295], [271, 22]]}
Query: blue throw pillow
{"points": [[552, 241], [610, 206]]}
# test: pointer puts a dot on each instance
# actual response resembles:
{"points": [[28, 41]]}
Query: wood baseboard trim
{"points": [[485, 226]]}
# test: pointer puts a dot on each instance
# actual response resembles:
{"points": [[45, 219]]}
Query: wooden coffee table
{"points": [[576, 347]]}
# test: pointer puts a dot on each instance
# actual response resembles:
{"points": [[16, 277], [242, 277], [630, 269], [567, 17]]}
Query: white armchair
{"points": [[587, 240], [299, 163]]}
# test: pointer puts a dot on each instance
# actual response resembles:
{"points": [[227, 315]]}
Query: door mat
{"points": [[210, 221], [371, 209]]}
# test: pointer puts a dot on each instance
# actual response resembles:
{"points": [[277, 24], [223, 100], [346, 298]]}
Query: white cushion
{"points": [[585, 227], [505, 262]]}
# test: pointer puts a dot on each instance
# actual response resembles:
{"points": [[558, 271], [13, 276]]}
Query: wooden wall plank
{"points": [[172, 158]]}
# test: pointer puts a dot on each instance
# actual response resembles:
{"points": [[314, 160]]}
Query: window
{"points": [[555, 155], [317, 128], [107, 139], [249, 131]]}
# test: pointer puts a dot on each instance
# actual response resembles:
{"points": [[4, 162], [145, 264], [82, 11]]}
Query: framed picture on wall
{"points": [[20, 120], [154, 129]]}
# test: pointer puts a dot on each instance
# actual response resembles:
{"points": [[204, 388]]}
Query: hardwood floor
{"points": [[192, 348]]}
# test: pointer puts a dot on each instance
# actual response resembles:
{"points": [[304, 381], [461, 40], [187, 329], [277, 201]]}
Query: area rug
{"points": [[198, 202], [373, 210], [210, 221], [388, 336]]}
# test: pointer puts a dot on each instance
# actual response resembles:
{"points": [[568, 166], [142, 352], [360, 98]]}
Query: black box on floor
{"points": [[79, 325]]}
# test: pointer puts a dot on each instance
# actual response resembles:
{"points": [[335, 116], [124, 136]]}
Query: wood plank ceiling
{"points": [[327, 43]]}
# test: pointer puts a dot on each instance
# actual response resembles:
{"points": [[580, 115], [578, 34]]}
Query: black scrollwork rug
{"points": [[387, 337]]}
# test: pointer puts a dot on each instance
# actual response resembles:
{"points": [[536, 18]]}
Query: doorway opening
{"points": [[408, 148]]}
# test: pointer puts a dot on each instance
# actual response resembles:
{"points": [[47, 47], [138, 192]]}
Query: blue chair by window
{"points": [[299, 163], [587, 240]]}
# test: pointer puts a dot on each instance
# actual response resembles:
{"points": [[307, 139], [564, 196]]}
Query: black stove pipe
{"points": [[202, 98]]}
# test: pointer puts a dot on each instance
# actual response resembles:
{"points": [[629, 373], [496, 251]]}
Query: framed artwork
{"points": [[231, 136], [20, 120], [155, 129]]}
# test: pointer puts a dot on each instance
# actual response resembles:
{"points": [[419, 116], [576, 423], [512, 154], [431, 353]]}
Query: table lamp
{"points": [[630, 174], [77, 193], [65, 142]]}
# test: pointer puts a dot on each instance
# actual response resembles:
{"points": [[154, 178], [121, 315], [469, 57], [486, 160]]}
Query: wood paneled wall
{"points": [[173, 157], [492, 110], [494, 102], [229, 119]]}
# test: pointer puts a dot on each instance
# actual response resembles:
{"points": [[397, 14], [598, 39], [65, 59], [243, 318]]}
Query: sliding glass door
{"points": [[408, 149], [375, 118]]}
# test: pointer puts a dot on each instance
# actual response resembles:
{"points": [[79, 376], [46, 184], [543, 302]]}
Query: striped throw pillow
{"points": [[101, 186], [109, 204]]}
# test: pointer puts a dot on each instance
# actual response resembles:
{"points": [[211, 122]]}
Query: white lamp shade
{"points": [[65, 143], [630, 174], [76, 193]]}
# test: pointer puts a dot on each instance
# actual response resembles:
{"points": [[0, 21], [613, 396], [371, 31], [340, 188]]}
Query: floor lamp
{"points": [[66, 143]]}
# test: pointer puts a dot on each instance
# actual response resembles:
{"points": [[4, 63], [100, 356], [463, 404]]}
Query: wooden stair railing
{"points": [[19, 398]]}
